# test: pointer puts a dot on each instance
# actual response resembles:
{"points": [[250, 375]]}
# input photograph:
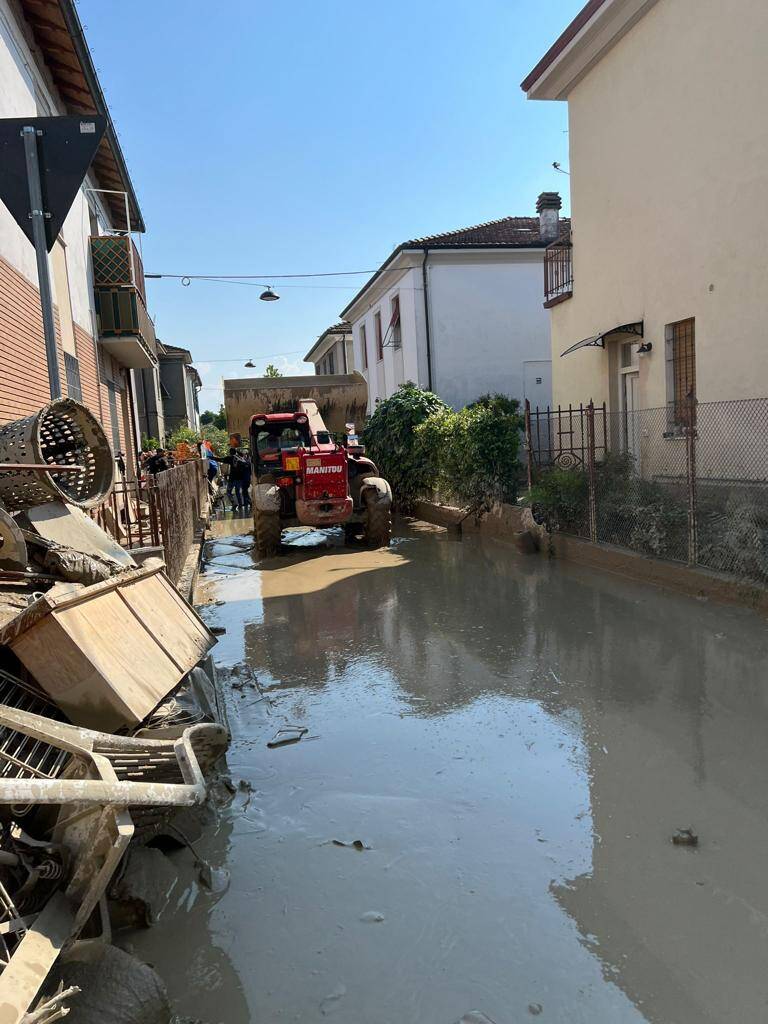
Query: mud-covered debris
{"points": [[535, 1009], [218, 630], [329, 1004], [116, 988], [288, 734], [685, 837], [372, 917], [356, 844], [245, 786], [215, 880], [475, 1017]]}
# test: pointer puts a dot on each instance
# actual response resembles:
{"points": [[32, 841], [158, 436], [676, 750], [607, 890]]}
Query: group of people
{"points": [[239, 477]]}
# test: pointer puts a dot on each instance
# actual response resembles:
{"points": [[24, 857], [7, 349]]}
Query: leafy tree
{"points": [[219, 438], [272, 371], [391, 441], [217, 419], [181, 435]]}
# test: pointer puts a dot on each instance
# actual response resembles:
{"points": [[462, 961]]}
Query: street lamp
{"points": [[250, 364], [269, 295]]}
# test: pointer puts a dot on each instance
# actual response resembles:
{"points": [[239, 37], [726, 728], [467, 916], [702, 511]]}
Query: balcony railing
{"points": [[125, 328], [558, 272], [116, 263]]}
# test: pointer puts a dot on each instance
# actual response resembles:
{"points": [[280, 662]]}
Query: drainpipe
{"points": [[426, 318]]}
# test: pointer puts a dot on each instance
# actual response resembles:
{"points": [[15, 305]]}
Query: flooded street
{"points": [[514, 742]]}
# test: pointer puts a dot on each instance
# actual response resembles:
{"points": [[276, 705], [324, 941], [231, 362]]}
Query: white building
{"points": [[461, 313], [332, 352]]}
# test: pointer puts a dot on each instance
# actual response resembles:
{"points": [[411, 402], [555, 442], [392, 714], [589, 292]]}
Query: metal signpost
{"points": [[43, 162]]}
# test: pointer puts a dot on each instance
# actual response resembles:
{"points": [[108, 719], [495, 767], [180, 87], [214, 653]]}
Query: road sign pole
{"points": [[37, 213]]}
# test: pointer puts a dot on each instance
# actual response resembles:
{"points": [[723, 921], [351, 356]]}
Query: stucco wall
{"points": [[669, 176], [408, 363], [486, 320]]}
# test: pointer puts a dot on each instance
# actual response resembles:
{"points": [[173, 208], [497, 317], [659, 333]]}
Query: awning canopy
{"points": [[598, 340]]}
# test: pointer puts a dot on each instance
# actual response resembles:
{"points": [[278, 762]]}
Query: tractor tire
{"points": [[377, 527], [267, 531], [351, 532]]}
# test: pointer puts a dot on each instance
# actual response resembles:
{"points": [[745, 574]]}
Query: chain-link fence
{"points": [[688, 484]]}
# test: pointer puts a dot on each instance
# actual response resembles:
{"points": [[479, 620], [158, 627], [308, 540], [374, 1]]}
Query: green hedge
{"points": [[425, 449]]}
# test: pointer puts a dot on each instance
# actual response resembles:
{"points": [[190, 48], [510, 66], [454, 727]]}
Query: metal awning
{"points": [[598, 340]]}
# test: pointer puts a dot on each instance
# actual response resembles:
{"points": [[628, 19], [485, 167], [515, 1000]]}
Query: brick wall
{"points": [[23, 367]]}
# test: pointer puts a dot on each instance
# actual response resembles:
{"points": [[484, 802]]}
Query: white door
{"points": [[629, 398]]}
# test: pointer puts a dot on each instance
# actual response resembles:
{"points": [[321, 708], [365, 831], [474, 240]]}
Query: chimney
{"points": [[547, 206]]}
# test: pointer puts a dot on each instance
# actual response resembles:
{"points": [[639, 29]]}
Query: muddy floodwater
{"points": [[514, 743]]}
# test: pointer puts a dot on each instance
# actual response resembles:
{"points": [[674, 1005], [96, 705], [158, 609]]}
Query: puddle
{"points": [[515, 743]]}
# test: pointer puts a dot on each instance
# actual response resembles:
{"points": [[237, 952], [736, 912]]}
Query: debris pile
{"points": [[110, 724]]}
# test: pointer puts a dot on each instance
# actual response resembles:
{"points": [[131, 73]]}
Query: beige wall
{"points": [[669, 177]]}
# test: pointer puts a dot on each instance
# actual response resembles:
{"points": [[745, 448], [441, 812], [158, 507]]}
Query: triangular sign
{"points": [[65, 150]]}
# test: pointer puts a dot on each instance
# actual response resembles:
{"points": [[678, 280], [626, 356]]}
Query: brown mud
{"points": [[480, 815]]}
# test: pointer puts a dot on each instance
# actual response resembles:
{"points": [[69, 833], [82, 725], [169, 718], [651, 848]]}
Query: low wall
{"points": [[504, 521]]}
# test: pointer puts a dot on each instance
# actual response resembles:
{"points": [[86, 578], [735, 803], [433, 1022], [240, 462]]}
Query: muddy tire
{"points": [[267, 531], [352, 532], [377, 528]]}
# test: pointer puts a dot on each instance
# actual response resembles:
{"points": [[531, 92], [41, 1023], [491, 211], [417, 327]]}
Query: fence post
{"points": [[591, 471], [690, 472], [529, 442]]}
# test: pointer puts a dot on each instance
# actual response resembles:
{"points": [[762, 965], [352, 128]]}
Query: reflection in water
{"points": [[516, 741]]}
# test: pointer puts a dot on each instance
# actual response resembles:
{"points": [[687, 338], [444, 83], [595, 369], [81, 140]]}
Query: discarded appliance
{"points": [[108, 654], [63, 433]]}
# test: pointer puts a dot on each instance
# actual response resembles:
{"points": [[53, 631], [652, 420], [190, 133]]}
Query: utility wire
{"points": [[272, 277]]}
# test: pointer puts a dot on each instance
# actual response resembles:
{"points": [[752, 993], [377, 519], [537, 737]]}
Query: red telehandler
{"points": [[308, 465]]}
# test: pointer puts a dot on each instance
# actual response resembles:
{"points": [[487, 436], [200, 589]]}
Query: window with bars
{"points": [[364, 346], [681, 370], [379, 336], [397, 339], [74, 384]]}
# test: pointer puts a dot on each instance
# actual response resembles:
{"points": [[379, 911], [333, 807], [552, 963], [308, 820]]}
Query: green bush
{"points": [[390, 438], [181, 435], [559, 499], [149, 443], [219, 438], [473, 452]]}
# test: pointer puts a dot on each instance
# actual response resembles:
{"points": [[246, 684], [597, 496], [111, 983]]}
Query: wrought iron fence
{"points": [[692, 488], [159, 510]]}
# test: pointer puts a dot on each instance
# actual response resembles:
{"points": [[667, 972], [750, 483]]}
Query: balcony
{"points": [[558, 272], [125, 329]]}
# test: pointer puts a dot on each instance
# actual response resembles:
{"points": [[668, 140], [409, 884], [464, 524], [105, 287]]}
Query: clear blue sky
{"points": [[311, 136]]}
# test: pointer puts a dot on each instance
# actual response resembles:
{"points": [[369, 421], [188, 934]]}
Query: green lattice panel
{"points": [[111, 260]]}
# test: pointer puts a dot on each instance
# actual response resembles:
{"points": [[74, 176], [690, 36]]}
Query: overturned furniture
{"points": [[103, 789], [109, 653]]}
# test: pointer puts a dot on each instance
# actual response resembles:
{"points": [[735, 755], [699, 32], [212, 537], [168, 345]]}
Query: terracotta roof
{"points": [[505, 233], [508, 232], [58, 35], [562, 41]]}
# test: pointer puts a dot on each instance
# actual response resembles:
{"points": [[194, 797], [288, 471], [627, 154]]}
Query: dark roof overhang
{"points": [[598, 340], [58, 34]]}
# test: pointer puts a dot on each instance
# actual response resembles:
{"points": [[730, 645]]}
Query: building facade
{"points": [[333, 351], [180, 384], [103, 329], [658, 296], [460, 313]]}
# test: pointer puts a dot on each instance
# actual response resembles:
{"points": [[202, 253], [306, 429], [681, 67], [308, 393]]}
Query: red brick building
{"points": [[104, 332]]}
